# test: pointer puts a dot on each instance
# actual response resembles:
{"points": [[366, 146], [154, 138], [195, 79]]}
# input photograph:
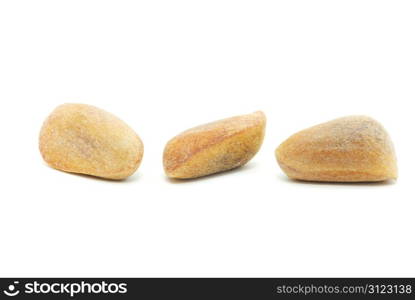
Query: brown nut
{"points": [[215, 147], [348, 149], [81, 138]]}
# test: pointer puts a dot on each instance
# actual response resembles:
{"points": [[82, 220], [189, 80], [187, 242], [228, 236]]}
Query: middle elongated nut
{"points": [[214, 147]]}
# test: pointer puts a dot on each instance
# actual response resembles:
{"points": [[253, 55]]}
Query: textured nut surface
{"points": [[211, 148], [84, 139], [348, 149]]}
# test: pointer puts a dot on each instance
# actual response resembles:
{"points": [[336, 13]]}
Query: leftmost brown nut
{"points": [[80, 138]]}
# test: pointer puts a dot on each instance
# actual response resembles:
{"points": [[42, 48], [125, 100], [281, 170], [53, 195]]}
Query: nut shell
{"points": [[80, 138], [215, 147], [348, 149]]}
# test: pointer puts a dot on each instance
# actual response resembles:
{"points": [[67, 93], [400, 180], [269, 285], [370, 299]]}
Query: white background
{"points": [[165, 66]]}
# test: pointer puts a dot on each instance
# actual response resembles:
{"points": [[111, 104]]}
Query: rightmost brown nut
{"points": [[349, 149]]}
